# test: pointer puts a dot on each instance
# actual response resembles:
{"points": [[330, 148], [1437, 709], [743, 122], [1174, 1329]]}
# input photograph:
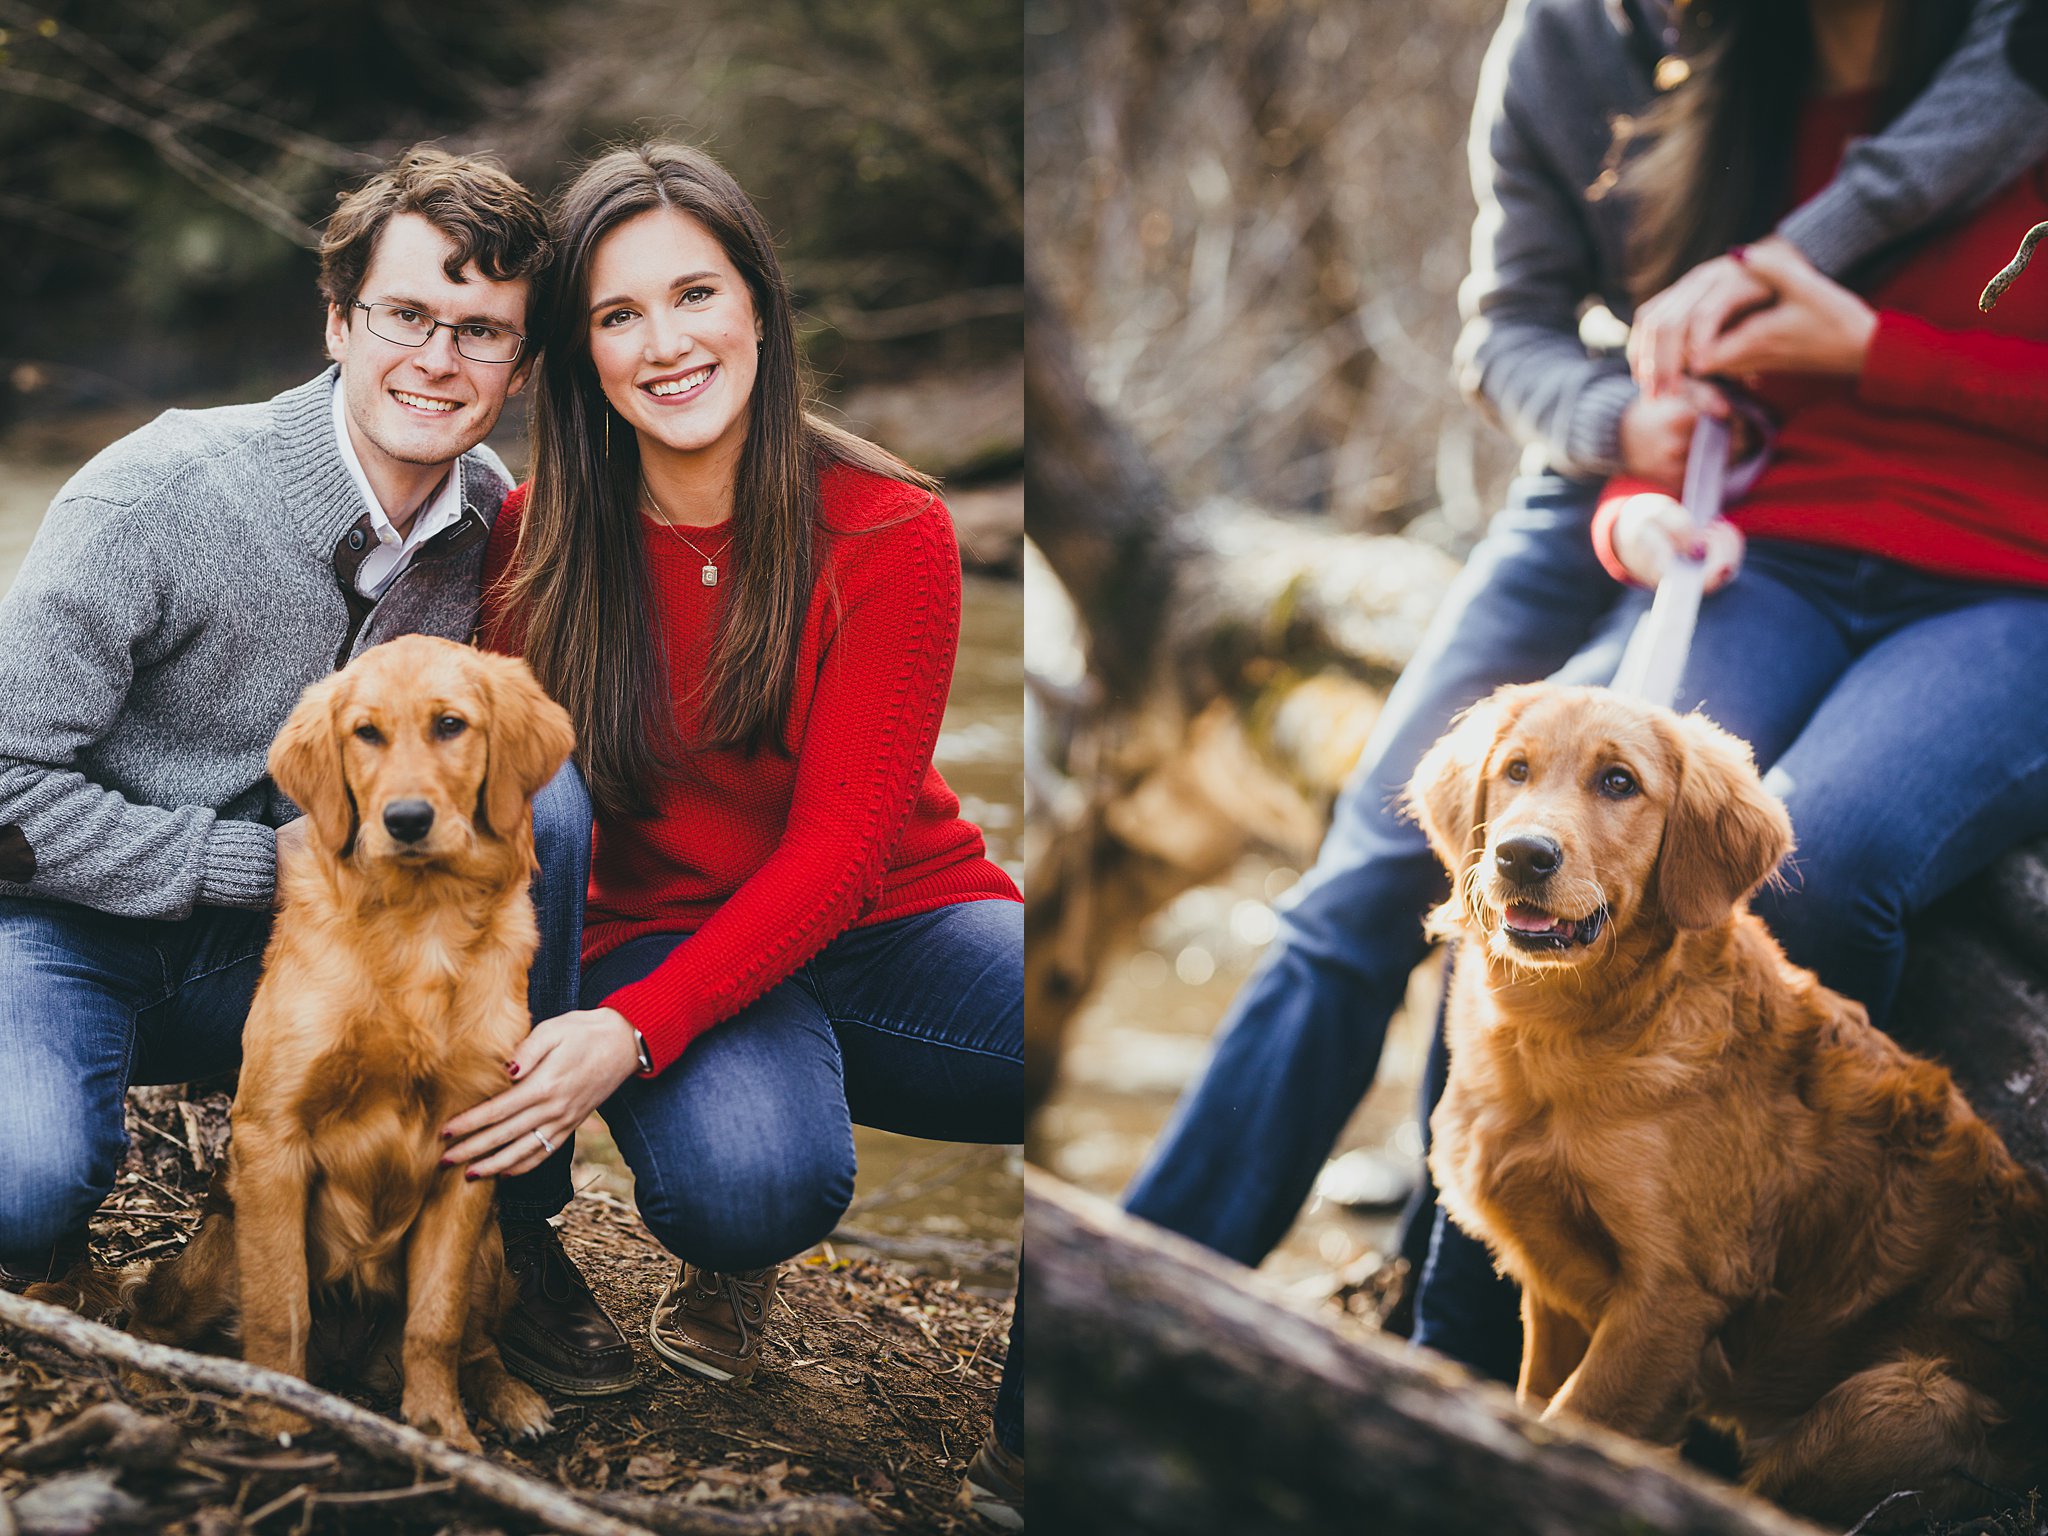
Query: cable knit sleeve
{"points": [[94, 594], [884, 668], [1534, 264]]}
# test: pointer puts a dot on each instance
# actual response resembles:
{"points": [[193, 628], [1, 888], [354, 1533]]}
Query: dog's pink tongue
{"points": [[1526, 919]]}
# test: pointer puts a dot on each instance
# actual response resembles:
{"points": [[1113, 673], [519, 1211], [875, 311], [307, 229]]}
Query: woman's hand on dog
{"points": [[1652, 531], [566, 1068]]}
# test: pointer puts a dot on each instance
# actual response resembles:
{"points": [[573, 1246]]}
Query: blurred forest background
{"points": [[164, 163], [1247, 223], [1254, 216]]}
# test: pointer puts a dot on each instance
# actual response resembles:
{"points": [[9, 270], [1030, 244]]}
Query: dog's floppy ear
{"points": [[530, 740], [1448, 794], [1724, 834], [305, 762]]}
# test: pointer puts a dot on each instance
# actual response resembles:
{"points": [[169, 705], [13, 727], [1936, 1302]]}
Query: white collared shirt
{"points": [[394, 550]]}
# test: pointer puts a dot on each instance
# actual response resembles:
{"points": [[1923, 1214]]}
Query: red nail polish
{"points": [[447, 1135], [447, 1162], [512, 1068], [470, 1174]]}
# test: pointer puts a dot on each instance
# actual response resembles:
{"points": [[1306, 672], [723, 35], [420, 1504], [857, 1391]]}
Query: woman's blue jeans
{"points": [[91, 1003], [742, 1150], [1895, 714], [1302, 1041]]}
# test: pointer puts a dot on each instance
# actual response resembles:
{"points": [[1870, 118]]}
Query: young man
{"points": [[183, 589]]}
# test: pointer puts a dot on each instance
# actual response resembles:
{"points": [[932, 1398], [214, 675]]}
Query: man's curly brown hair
{"points": [[490, 218]]}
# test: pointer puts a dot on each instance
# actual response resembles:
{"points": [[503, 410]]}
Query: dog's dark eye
{"points": [[450, 725], [1618, 783], [371, 734], [1517, 772]]}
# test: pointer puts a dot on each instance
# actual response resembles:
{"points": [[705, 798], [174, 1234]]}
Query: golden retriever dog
{"points": [[1724, 1193], [393, 994]]}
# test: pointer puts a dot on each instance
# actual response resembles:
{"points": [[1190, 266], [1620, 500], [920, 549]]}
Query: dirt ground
{"points": [[876, 1384]]}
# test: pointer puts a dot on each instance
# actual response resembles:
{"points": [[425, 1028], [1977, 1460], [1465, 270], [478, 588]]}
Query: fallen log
{"points": [[1975, 996], [1173, 1392], [388, 1440]]}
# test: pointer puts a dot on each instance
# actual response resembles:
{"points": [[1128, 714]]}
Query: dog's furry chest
{"points": [[373, 1133], [1509, 1179], [366, 1106]]}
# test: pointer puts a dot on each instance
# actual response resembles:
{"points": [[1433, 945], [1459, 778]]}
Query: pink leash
{"points": [[1655, 658]]}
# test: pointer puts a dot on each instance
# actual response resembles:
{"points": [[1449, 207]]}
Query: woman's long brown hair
{"points": [[581, 584], [1708, 165]]}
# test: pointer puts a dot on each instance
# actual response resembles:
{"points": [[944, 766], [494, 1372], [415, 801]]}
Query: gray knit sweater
{"points": [[183, 589], [1556, 75]]}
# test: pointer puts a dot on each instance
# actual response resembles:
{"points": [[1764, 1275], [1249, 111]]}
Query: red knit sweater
{"points": [[1937, 454], [764, 860]]}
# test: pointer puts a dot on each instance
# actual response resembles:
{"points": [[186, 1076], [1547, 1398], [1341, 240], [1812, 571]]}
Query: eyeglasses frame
{"points": [[437, 325]]}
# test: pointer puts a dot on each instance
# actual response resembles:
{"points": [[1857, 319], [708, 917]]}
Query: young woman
{"points": [[751, 617], [1883, 642]]}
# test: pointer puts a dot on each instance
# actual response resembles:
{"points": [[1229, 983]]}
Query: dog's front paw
{"points": [[441, 1418], [519, 1412]]}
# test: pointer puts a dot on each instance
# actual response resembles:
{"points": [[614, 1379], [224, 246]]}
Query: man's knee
{"points": [[750, 1207], [51, 1179]]}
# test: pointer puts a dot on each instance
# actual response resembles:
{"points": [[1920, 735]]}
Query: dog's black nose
{"points": [[1526, 860], [408, 820]]}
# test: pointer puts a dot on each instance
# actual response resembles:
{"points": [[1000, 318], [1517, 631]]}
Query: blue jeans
{"points": [[1302, 1041], [90, 1003], [742, 1151], [1893, 713]]}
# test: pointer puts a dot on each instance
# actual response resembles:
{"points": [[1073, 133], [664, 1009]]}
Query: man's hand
{"points": [[1653, 531], [566, 1068], [1672, 329], [1812, 325], [1656, 433]]}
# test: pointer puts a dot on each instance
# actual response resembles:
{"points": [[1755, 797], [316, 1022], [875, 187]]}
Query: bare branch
{"points": [[478, 1478], [201, 167], [57, 222], [1995, 289], [191, 111]]}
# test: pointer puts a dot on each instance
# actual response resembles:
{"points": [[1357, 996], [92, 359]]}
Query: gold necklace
{"points": [[709, 574]]}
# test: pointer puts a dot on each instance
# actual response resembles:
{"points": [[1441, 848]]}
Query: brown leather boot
{"points": [[557, 1335], [994, 1486], [710, 1323]]}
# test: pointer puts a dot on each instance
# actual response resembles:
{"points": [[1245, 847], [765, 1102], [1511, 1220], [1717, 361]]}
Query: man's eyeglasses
{"points": [[407, 327]]}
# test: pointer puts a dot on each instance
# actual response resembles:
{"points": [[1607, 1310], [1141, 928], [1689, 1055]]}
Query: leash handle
{"points": [[1655, 658]]}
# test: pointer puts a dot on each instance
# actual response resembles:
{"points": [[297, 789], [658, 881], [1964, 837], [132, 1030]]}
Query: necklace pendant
{"points": [[710, 575]]}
